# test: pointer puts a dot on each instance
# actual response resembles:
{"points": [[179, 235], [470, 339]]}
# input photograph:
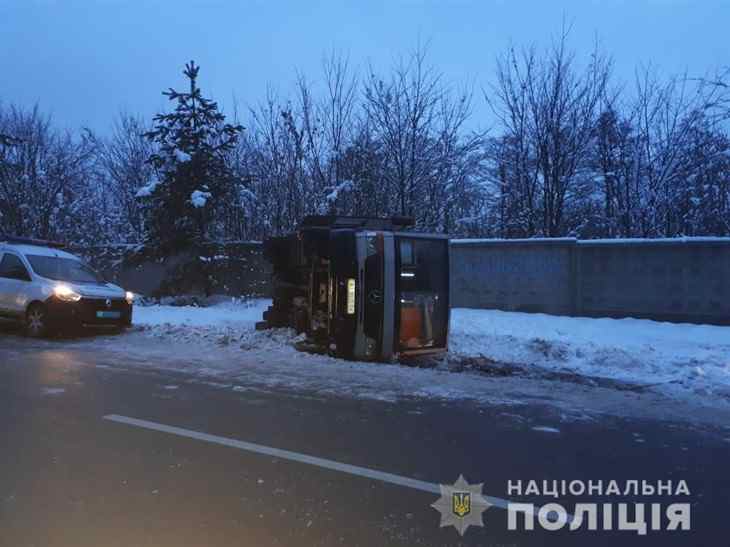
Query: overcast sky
{"points": [[84, 60]]}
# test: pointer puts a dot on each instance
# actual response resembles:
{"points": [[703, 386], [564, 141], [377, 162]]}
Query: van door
{"points": [[14, 285]]}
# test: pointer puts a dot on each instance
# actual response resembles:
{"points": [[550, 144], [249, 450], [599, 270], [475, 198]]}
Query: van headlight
{"points": [[129, 297], [66, 293], [350, 296]]}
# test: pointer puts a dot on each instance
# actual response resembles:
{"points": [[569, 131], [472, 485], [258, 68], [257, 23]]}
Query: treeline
{"points": [[572, 152]]}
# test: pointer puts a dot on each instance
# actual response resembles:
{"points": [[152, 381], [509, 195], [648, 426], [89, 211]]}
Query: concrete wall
{"points": [[685, 279], [517, 275]]}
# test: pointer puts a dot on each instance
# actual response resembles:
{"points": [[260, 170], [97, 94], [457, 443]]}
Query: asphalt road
{"points": [[70, 477]]}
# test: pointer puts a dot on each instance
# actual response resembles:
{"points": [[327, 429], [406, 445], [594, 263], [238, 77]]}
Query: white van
{"points": [[48, 289]]}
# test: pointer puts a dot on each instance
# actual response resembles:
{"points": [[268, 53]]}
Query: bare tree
{"points": [[403, 109], [548, 107], [45, 180], [452, 189], [337, 112], [666, 115], [124, 157], [513, 155]]}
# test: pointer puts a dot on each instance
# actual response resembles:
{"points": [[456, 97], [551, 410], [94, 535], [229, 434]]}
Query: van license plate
{"points": [[108, 314]]}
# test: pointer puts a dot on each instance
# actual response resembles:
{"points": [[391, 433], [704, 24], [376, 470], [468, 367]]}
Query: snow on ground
{"points": [[679, 361], [234, 314], [676, 359]]}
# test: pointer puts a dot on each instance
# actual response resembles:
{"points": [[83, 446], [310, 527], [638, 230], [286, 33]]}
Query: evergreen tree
{"points": [[193, 178]]}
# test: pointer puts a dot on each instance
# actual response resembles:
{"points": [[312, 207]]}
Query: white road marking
{"points": [[373, 474], [545, 429]]}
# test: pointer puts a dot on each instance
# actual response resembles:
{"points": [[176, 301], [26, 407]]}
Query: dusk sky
{"points": [[84, 61]]}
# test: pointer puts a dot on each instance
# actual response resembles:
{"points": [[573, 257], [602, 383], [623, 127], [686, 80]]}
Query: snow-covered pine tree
{"points": [[193, 179]]}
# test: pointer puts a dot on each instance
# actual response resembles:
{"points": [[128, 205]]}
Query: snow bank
{"points": [[676, 360], [233, 314]]}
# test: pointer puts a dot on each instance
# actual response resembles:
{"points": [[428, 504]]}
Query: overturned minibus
{"points": [[361, 288]]}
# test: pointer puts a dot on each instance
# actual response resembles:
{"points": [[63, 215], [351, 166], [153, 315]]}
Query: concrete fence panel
{"points": [[683, 279], [534, 275], [673, 280]]}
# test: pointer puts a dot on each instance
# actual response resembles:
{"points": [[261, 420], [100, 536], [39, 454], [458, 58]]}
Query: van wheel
{"points": [[36, 321]]}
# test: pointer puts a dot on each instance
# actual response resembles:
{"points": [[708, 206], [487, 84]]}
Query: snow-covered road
{"points": [[679, 361]]}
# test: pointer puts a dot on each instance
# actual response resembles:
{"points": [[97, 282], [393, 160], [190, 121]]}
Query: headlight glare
{"points": [[66, 293], [129, 297]]}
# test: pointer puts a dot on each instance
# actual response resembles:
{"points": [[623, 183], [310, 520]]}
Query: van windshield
{"points": [[423, 291], [63, 269]]}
